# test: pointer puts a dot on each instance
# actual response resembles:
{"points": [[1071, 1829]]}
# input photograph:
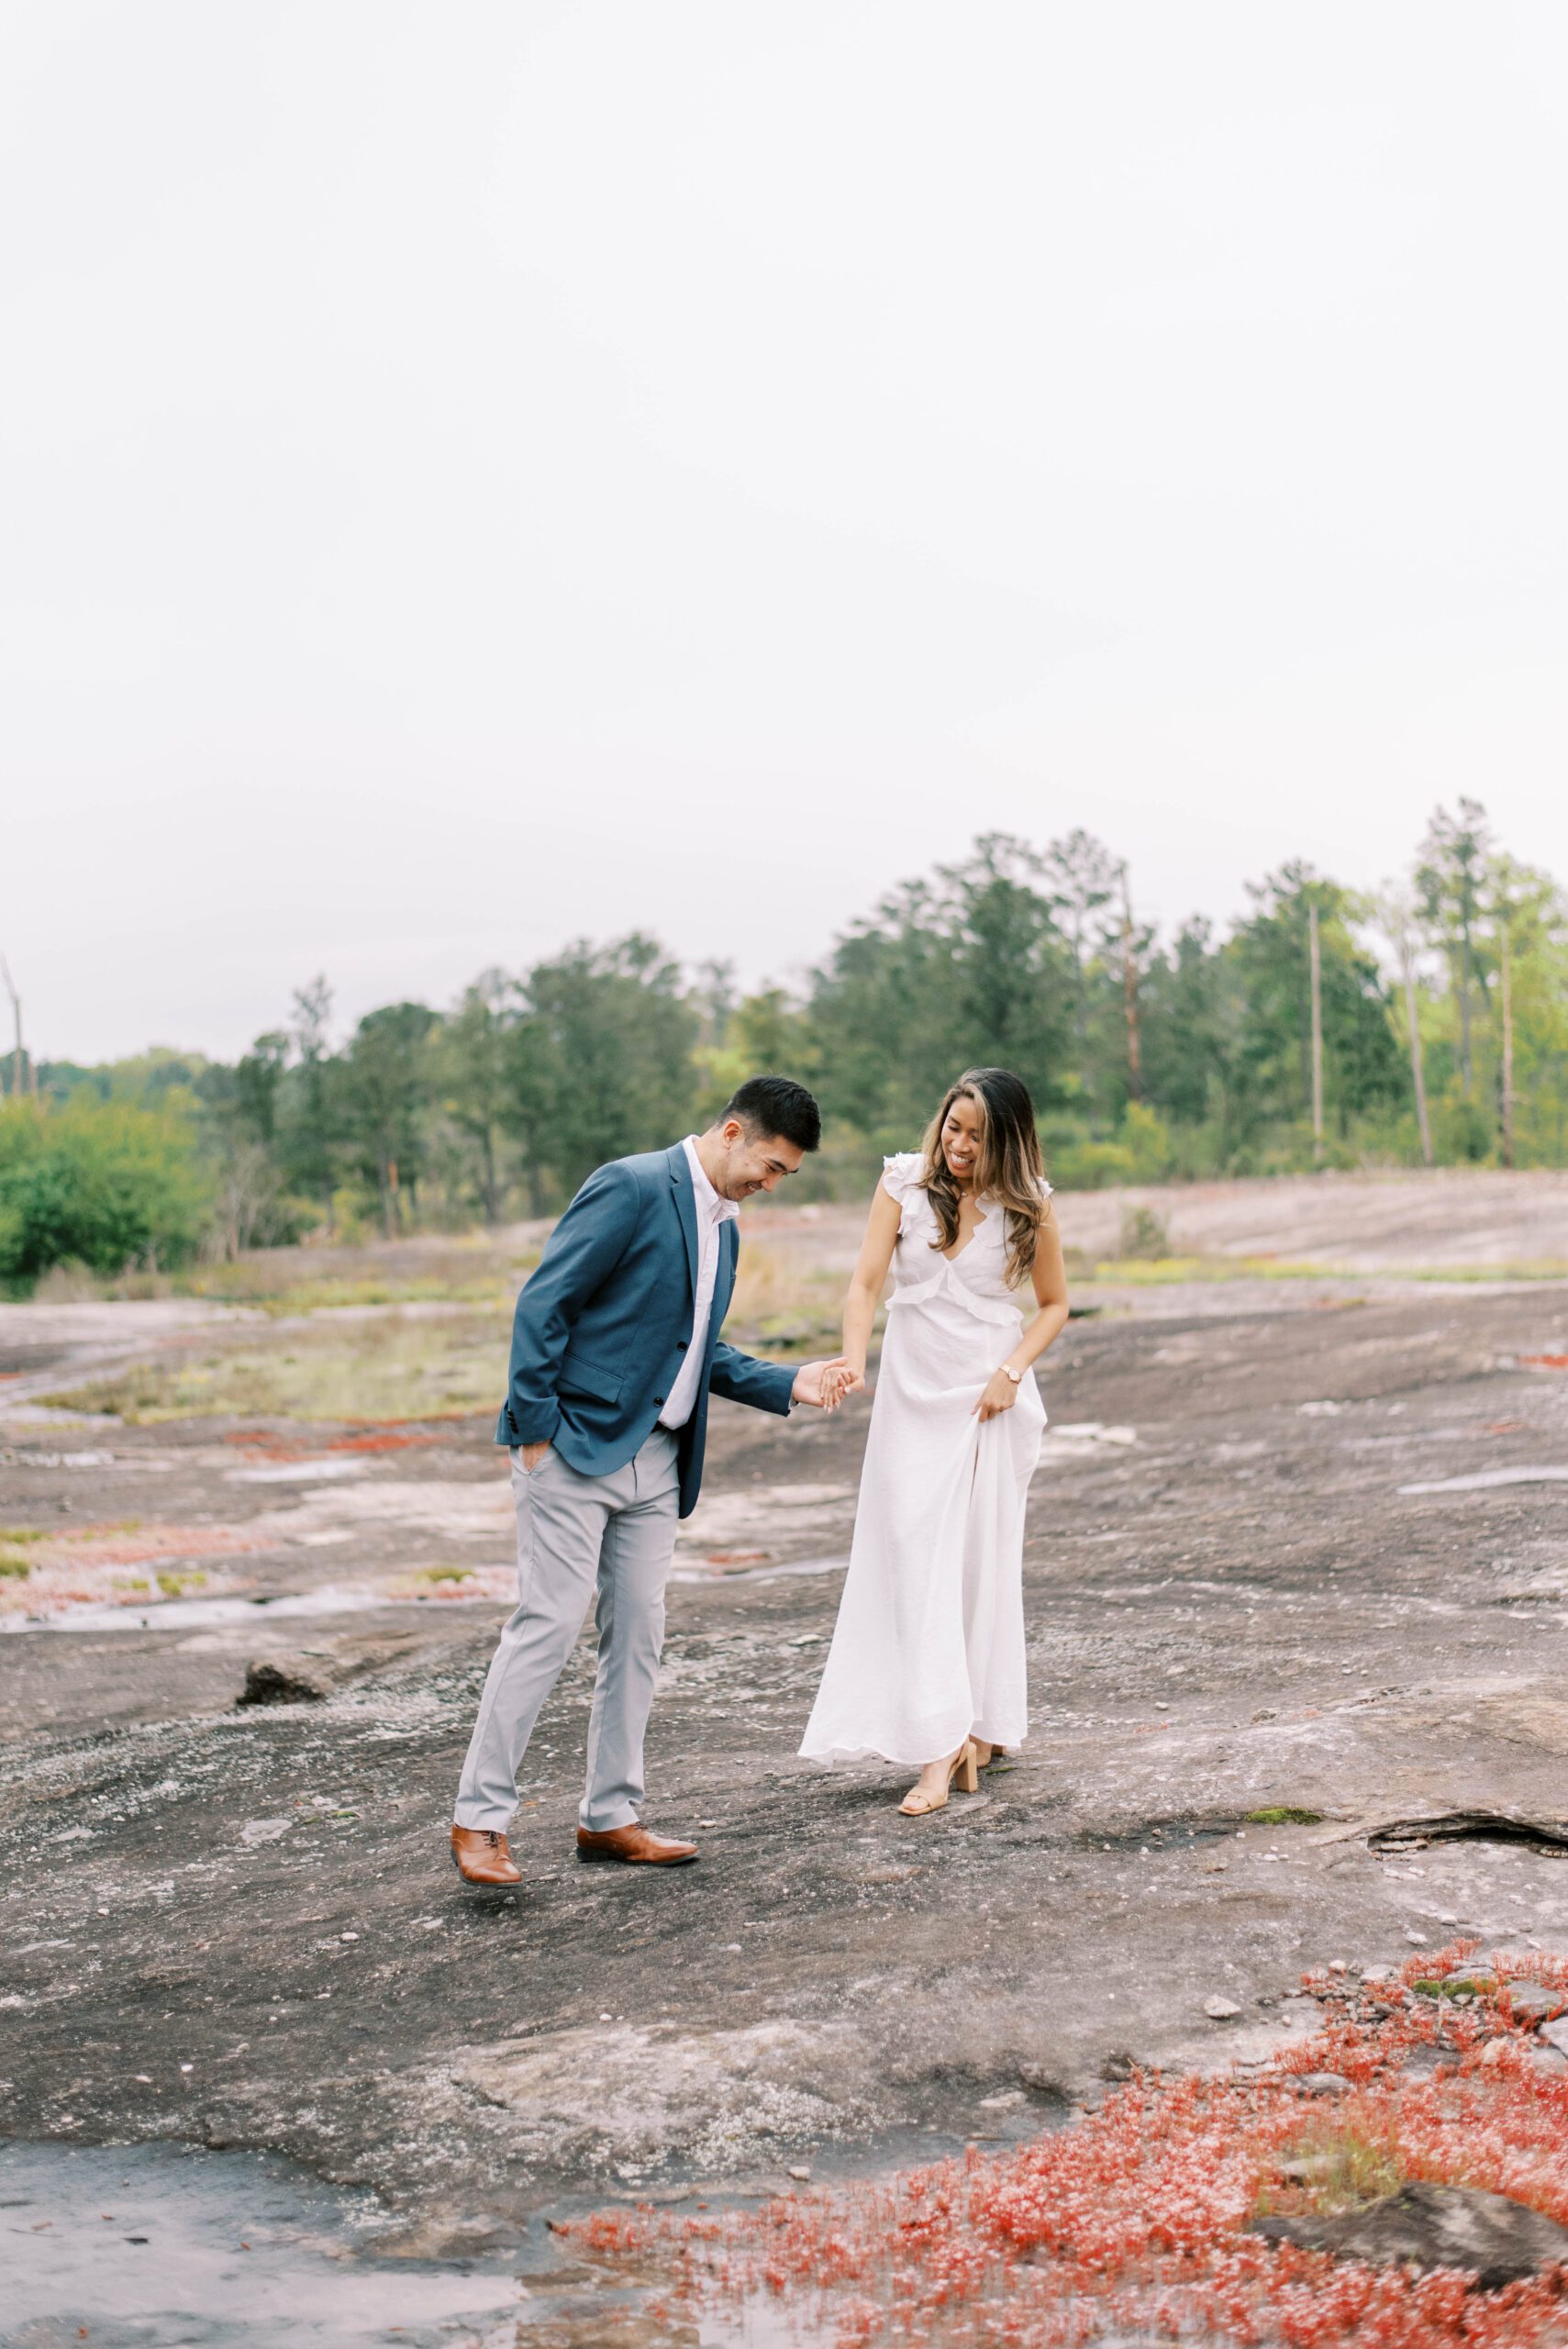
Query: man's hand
{"points": [[824, 1385], [532, 1454]]}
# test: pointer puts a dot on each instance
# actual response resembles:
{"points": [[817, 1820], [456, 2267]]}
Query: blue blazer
{"points": [[604, 1323]]}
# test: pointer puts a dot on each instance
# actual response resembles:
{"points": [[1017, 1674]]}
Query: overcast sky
{"points": [[477, 476]]}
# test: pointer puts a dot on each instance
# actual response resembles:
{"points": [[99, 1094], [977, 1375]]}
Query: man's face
{"points": [[754, 1162]]}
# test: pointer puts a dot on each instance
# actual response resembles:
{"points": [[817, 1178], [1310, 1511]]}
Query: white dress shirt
{"points": [[712, 1211]]}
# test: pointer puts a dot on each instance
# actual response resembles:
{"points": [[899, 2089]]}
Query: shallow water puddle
{"points": [[162, 2247], [724, 1570], [188, 1614], [1486, 1478], [143, 2244]]}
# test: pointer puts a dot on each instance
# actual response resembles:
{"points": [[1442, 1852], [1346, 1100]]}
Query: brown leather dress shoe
{"points": [[634, 1844], [480, 1857]]}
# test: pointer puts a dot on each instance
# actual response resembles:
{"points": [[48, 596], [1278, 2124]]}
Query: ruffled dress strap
{"points": [[901, 1174]]}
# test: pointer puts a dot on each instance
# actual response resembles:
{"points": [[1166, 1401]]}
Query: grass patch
{"points": [[14, 1542], [420, 1367], [1158, 1271], [1284, 1814], [327, 1295], [1329, 2170], [476, 1268], [1479, 1982], [174, 1586], [784, 1302], [1544, 1268], [1155, 1272]]}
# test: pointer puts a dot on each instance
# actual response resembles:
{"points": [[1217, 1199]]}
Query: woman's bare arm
{"points": [[1051, 1296], [869, 1279]]}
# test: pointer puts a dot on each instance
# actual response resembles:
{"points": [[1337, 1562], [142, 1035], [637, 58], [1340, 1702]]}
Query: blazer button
{"points": [[658, 1399], [682, 1343]]}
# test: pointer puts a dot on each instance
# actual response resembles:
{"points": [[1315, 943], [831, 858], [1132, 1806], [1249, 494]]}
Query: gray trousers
{"points": [[574, 1533]]}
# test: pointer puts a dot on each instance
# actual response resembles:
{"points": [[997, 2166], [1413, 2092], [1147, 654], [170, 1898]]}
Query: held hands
{"points": [[824, 1385], [999, 1395]]}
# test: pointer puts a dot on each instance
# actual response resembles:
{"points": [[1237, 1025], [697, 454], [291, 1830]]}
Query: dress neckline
{"points": [[984, 1214]]}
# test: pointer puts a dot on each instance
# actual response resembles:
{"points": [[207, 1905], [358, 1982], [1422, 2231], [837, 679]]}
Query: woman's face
{"points": [[961, 1130]]}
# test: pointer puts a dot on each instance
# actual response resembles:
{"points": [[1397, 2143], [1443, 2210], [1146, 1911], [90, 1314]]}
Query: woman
{"points": [[927, 1665]]}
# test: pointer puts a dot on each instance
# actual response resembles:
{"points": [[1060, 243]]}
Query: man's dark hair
{"points": [[776, 1105]]}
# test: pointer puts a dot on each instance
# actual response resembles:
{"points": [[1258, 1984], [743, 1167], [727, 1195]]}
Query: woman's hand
{"points": [[1000, 1394], [825, 1385]]}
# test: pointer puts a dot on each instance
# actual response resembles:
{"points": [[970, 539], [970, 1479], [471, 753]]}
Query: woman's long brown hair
{"points": [[1008, 1170]]}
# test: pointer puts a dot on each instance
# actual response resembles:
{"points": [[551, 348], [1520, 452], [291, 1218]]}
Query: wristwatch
{"points": [[1016, 1376]]}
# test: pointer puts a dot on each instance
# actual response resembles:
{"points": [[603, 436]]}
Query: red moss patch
{"points": [[379, 1435], [386, 1439], [261, 1443], [1131, 2221], [145, 1546]]}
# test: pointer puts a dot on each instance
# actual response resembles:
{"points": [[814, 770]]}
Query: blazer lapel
{"points": [[724, 1286], [686, 1207]]}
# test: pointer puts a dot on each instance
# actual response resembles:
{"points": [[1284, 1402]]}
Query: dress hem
{"points": [[836, 1756]]}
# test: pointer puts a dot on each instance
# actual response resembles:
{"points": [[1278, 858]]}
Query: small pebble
{"points": [[348, 1937], [802, 2174], [1220, 2009]]}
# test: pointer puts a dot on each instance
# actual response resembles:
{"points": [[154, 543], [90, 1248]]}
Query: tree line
{"points": [[1426, 1024]]}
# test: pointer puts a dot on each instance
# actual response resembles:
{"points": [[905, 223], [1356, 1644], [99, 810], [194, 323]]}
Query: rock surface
{"points": [[1238, 1616], [309, 1675], [1491, 2236]]}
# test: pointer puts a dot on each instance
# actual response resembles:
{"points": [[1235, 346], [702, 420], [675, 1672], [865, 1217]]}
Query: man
{"points": [[615, 1349]]}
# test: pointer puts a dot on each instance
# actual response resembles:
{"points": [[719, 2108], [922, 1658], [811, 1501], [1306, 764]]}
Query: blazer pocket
{"points": [[581, 1375]]}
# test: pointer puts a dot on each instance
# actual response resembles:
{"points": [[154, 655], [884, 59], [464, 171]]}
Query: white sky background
{"points": [[475, 476]]}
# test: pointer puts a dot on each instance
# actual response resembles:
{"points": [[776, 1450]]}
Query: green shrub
{"points": [[98, 1183], [1089, 1165], [1144, 1234], [1147, 1137]]}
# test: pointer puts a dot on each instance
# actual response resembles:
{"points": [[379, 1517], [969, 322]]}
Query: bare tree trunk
{"points": [[1506, 975], [1129, 996], [1418, 1070], [16, 1019], [1315, 958], [1466, 1058], [492, 1194]]}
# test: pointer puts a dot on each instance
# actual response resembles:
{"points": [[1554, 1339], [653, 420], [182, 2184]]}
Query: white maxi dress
{"points": [[928, 1648]]}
